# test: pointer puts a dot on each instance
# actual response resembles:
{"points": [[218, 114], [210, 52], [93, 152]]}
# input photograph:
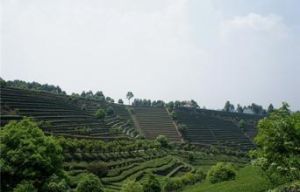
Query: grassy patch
{"points": [[248, 179]]}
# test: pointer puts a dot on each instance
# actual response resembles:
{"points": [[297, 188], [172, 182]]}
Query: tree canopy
{"points": [[129, 95], [27, 154], [278, 141]]}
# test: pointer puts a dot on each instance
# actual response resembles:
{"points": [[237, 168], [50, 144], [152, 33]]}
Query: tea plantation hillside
{"points": [[120, 119], [62, 115], [155, 121], [217, 128]]}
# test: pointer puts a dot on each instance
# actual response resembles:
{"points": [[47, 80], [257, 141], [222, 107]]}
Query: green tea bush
{"points": [[57, 183], [176, 184], [173, 185], [221, 172], [151, 184], [100, 114], [25, 186], [89, 183], [100, 168], [132, 186]]}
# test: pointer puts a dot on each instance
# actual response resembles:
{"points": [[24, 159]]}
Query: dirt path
{"points": [[135, 121]]}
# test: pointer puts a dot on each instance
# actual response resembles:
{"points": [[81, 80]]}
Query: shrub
{"points": [[151, 184], [221, 172], [278, 141], [56, 183], [174, 115], [57, 186], [200, 175], [291, 188], [100, 168], [162, 140], [27, 154], [110, 111], [132, 186], [182, 128], [25, 186], [189, 178], [191, 157], [120, 101], [173, 184], [89, 183], [100, 114]]}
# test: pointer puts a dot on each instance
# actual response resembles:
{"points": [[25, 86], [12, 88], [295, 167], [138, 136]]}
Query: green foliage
{"points": [[290, 187], [120, 101], [110, 111], [34, 86], [191, 157], [151, 184], [98, 168], [173, 184], [25, 186], [132, 186], [177, 183], [174, 115], [228, 107], [56, 184], [221, 172], [182, 128], [27, 154], [110, 100], [89, 183], [170, 106], [239, 108], [278, 141], [100, 114], [163, 141], [270, 108], [129, 95], [248, 179]]}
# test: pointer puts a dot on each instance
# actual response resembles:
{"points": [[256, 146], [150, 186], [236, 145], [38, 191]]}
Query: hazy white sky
{"points": [[209, 50]]}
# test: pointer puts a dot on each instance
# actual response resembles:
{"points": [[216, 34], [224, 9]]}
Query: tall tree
{"points": [[278, 142], [228, 107], [129, 95], [27, 154], [120, 101], [270, 108], [239, 108]]}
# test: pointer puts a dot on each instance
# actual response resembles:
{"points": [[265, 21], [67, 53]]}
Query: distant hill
{"points": [[60, 114], [218, 127], [74, 116]]}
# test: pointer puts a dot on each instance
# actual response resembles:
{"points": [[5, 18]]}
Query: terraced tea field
{"points": [[154, 121], [61, 115], [203, 128]]}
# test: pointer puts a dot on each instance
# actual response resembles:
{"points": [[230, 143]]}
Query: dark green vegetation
{"points": [[65, 115], [88, 143], [155, 121], [113, 162], [278, 140], [217, 127], [221, 172], [27, 155]]}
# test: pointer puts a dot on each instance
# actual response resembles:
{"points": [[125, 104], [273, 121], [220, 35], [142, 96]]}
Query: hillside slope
{"points": [[61, 114], [154, 121], [205, 127]]}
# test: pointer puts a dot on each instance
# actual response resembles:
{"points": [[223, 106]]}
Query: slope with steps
{"points": [[154, 121], [203, 128], [61, 115]]}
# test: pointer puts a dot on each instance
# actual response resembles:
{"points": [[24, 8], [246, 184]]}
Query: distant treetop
{"points": [[33, 86]]}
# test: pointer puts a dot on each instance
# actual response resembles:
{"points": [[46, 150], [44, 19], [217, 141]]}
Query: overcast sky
{"points": [[209, 50]]}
